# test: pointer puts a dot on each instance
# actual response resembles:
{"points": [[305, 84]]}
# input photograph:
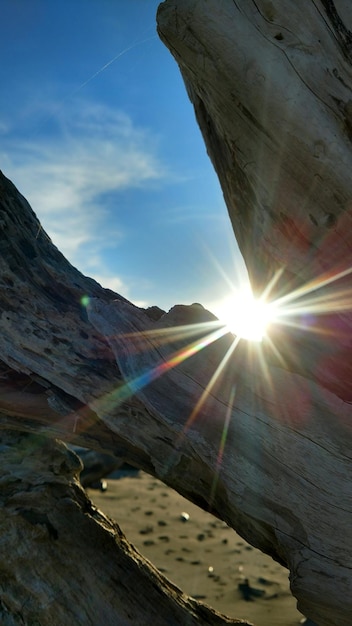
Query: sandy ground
{"points": [[202, 556]]}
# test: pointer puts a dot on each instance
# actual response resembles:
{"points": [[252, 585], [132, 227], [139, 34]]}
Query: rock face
{"points": [[261, 436]]}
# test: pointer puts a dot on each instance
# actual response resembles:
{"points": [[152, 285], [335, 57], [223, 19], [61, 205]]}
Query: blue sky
{"points": [[97, 132]]}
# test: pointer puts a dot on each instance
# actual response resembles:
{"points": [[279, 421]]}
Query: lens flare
{"points": [[246, 316], [85, 301]]}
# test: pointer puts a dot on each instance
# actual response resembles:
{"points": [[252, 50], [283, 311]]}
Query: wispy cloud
{"points": [[93, 153]]}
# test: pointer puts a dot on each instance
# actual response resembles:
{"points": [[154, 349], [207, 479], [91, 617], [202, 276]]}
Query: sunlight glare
{"points": [[246, 316]]}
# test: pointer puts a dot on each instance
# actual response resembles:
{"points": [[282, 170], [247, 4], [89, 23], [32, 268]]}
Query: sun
{"points": [[246, 316]]}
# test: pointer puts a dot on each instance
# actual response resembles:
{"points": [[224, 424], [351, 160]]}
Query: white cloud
{"points": [[110, 282], [66, 178], [116, 284]]}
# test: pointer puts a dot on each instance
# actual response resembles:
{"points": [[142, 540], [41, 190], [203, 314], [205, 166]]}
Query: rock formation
{"points": [[96, 466], [259, 436]]}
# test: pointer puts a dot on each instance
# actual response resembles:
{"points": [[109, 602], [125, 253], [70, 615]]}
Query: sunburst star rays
{"points": [[135, 384], [325, 295]]}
